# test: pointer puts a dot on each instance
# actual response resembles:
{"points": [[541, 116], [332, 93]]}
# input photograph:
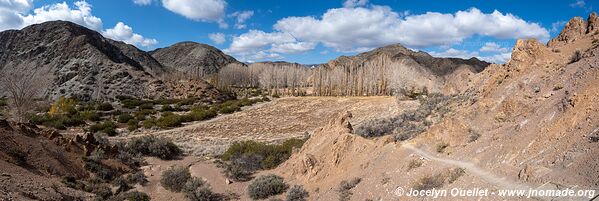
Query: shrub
{"points": [[107, 127], [137, 178], [141, 114], [101, 170], [146, 106], [196, 189], [167, 108], [136, 196], [577, 56], [429, 182], [18, 157], [90, 115], [473, 135], [174, 179], [63, 106], [242, 168], [297, 193], [105, 107], [153, 146], [440, 148], [150, 123], [132, 124], [454, 174], [168, 121], [345, 187], [414, 164], [131, 103], [60, 122], [102, 191], [266, 186], [3, 102], [270, 155], [124, 118]]}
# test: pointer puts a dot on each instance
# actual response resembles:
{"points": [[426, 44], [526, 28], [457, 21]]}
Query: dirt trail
{"points": [[471, 168]]}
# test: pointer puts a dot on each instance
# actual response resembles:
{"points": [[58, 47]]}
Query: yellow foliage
{"points": [[62, 106]]}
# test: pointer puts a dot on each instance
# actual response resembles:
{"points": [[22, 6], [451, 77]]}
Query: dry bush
{"points": [[429, 182], [577, 56], [21, 88], [175, 178], [297, 193], [266, 186], [345, 187], [414, 164]]}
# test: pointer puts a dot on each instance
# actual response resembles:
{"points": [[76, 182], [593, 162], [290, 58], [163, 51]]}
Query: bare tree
{"points": [[21, 89]]}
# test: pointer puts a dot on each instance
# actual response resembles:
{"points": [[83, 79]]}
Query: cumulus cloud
{"points": [[354, 3], [142, 2], [352, 29], [81, 14], [454, 53], [217, 38], [241, 17], [199, 10], [125, 33], [497, 58], [14, 14], [493, 47]]}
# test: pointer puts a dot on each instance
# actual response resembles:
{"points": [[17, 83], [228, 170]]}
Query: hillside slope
{"points": [[533, 123], [70, 60]]}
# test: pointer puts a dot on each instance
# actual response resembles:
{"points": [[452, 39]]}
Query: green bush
{"points": [[141, 115], [60, 122], [132, 124], [169, 121], [90, 115], [150, 123], [146, 106], [105, 107], [131, 103], [266, 186], [153, 146], [175, 178], [124, 118], [271, 155], [107, 127]]}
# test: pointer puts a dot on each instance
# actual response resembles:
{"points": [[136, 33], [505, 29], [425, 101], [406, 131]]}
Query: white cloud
{"points": [[498, 58], [348, 28], [14, 14], [354, 3], [81, 14], [199, 10], [125, 33], [254, 40], [241, 17], [261, 55], [493, 47], [217, 38], [293, 48], [142, 2]]}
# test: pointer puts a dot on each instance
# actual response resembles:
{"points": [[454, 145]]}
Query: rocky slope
{"points": [[533, 124], [193, 58], [70, 60]]}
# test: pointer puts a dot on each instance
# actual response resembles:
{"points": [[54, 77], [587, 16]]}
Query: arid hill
{"points": [[530, 123], [70, 60], [193, 58]]}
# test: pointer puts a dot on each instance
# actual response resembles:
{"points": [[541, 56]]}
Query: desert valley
{"points": [[87, 117]]}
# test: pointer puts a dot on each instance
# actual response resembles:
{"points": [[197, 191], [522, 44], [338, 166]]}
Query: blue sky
{"points": [[311, 31]]}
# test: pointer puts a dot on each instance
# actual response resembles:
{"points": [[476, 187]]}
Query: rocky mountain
{"points": [[193, 58], [387, 69], [70, 60]]}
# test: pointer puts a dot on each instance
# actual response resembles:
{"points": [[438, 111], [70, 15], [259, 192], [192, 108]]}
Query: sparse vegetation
{"points": [[429, 182], [345, 188], [266, 186], [414, 164], [153, 146], [105, 107], [124, 118], [440, 147], [577, 56], [473, 135], [175, 178], [107, 127], [410, 123], [196, 189], [455, 174], [297, 193]]}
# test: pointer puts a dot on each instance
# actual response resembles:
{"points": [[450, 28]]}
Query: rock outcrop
{"points": [[576, 28]]}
